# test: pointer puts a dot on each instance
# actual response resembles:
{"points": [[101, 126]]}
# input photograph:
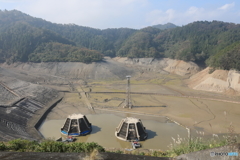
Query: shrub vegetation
{"points": [[48, 145], [27, 39]]}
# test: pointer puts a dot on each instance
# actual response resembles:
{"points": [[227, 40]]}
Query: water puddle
{"points": [[159, 133]]}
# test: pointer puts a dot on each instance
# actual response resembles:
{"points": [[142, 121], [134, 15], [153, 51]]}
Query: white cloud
{"points": [[227, 6], [122, 13], [192, 14], [93, 13], [160, 17], [194, 11]]}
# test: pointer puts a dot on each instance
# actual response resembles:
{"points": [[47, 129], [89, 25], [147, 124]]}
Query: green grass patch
{"points": [[183, 146], [21, 145]]}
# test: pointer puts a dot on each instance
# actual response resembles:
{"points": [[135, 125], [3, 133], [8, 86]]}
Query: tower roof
{"points": [[131, 120], [75, 116]]}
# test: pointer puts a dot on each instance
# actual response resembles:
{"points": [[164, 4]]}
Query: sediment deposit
{"points": [[217, 81], [165, 78], [164, 65]]}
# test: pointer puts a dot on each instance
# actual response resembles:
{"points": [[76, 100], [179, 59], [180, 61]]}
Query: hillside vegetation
{"points": [[20, 40], [165, 26], [49, 145], [25, 38]]}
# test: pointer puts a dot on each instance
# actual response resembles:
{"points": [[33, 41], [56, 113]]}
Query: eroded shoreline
{"points": [[197, 110]]}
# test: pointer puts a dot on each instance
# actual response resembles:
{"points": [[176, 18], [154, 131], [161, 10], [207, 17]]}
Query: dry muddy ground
{"points": [[153, 95], [205, 111], [164, 95]]}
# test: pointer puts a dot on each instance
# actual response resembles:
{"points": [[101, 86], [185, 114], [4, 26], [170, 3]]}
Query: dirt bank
{"points": [[222, 81], [163, 66], [106, 70], [109, 69]]}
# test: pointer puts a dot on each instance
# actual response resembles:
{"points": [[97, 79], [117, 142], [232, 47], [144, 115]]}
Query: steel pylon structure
{"points": [[128, 103]]}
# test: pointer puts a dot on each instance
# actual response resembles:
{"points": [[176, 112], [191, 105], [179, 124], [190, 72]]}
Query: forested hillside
{"points": [[107, 41], [20, 40], [199, 41], [25, 38], [141, 44], [165, 26]]}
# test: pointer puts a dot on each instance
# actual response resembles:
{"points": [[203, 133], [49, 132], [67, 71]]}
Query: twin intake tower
{"points": [[129, 129]]}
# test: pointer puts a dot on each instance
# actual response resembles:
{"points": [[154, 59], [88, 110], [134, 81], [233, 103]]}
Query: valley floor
{"points": [[156, 96], [166, 95]]}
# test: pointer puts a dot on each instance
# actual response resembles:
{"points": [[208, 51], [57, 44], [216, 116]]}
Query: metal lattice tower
{"points": [[128, 103]]}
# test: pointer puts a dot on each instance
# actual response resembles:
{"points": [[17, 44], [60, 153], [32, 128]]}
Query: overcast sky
{"points": [[137, 14]]}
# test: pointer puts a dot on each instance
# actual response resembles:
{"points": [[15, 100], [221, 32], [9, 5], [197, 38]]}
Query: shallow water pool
{"points": [[103, 132]]}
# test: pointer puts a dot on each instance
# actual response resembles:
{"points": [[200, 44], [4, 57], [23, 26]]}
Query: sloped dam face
{"points": [[160, 131]]}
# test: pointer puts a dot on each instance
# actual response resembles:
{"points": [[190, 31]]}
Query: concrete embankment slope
{"points": [[19, 116], [219, 81]]}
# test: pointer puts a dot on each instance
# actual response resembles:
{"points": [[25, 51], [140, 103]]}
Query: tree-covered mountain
{"points": [[58, 52], [200, 41], [25, 38], [165, 26], [107, 41], [141, 44], [19, 39]]}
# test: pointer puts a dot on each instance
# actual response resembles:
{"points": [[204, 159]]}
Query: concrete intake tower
{"points": [[76, 125], [131, 129]]}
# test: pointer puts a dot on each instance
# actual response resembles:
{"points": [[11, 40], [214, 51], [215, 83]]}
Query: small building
{"points": [[76, 125], [131, 129]]}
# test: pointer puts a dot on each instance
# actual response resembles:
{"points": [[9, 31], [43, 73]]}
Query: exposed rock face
{"points": [[164, 65], [218, 81], [116, 68], [181, 68], [108, 69], [233, 80]]}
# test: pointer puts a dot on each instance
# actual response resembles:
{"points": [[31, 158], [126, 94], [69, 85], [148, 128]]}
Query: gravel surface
{"points": [[20, 102], [13, 120], [6, 97]]}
